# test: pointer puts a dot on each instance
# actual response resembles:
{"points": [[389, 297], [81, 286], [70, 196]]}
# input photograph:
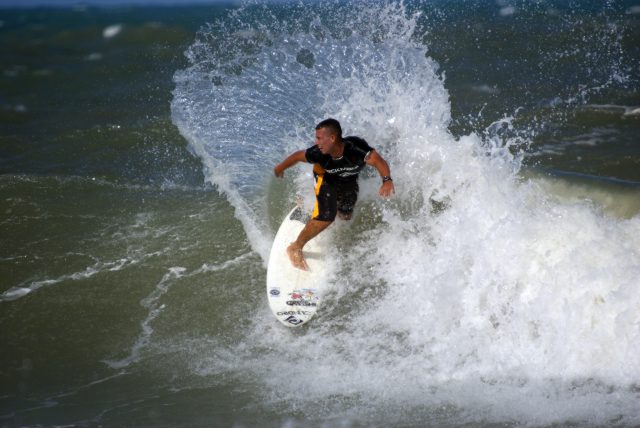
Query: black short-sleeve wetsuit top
{"points": [[337, 186], [345, 168]]}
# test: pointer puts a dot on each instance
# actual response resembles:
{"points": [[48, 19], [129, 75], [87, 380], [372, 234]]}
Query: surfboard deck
{"points": [[293, 293]]}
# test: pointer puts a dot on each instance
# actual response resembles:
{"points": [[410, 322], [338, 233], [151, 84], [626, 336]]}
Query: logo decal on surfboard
{"points": [[303, 297], [293, 320], [274, 292]]}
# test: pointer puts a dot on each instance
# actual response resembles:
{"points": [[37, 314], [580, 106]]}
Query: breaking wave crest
{"points": [[473, 291]]}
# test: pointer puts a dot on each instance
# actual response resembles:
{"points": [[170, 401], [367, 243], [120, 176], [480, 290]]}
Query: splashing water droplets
{"points": [[471, 283]]}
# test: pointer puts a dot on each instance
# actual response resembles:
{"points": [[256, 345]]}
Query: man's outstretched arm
{"points": [[375, 160], [290, 160]]}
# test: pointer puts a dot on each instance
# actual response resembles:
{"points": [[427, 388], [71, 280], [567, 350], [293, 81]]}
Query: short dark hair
{"points": [[332, 125]]}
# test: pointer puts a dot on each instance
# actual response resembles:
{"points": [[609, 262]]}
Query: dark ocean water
{"points": [[499, 286]]}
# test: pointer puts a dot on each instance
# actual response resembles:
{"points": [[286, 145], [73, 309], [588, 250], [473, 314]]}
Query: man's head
{"points": [[328, 135], [332, 125]]}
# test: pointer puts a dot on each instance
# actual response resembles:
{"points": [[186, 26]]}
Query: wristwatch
{"points": [[386, 178]]}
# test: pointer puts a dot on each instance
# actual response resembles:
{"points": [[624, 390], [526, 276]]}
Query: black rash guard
{"points": [[345, 168], [337, 181]]}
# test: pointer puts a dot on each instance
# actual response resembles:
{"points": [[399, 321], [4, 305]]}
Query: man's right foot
{"points": [[296, 257]]}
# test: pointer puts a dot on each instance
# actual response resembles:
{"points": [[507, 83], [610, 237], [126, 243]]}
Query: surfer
{"points": [[337, 161]]}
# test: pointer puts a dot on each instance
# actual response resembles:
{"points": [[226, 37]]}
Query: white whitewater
{"points": [[474, 293]]}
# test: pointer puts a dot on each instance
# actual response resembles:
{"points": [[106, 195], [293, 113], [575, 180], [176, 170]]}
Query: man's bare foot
{"points": [[296, 257]]}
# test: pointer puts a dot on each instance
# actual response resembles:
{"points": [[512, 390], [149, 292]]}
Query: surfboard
{"points": [[294, 294]]}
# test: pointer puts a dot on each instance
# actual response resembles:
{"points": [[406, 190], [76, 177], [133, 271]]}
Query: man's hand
{"points": [[279, 170], [375, 160], [387, 189]]}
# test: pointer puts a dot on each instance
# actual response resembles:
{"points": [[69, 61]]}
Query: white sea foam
{"points": [[112, 31], [473, 293], [507, 11], [486, 89], [632, 111], [94, 56], [152, 303], [15, 293], [134, 255], [110, 266]]}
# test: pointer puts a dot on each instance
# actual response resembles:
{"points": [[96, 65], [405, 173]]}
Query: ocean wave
{"points": [[482, 283], [79, 180], [19, 291], [155, 308]]}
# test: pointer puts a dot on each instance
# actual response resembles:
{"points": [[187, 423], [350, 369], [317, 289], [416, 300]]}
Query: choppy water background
{"points": [[499, 286]]}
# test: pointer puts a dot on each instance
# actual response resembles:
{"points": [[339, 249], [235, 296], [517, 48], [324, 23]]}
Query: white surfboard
{"points": [[294, 293]]}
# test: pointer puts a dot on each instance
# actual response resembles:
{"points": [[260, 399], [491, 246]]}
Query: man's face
{"points": [[325, 140]]}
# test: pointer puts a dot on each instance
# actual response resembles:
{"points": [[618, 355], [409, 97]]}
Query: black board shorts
{"points": [[333, 196]]}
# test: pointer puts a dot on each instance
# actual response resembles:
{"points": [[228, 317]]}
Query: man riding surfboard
{"points": [[337, 162]]}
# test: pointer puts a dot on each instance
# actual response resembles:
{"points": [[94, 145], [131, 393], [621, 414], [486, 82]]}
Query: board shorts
{"points": [[333, 196]]}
